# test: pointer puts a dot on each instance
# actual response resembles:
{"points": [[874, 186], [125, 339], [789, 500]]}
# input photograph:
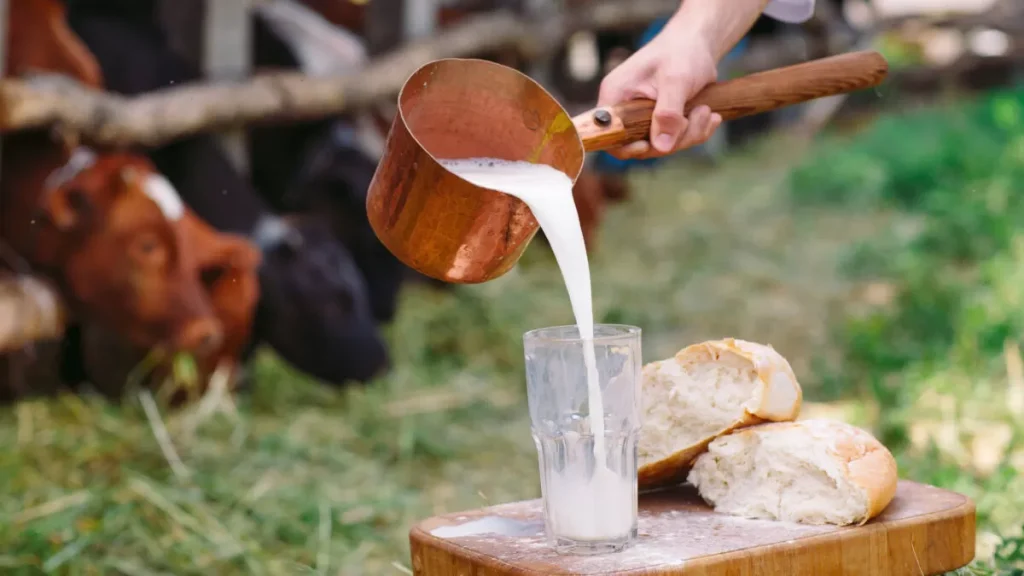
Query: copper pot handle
{"points": [[611, 127]]}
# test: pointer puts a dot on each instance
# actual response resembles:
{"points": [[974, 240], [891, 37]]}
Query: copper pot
{"points": [[454, 231]]}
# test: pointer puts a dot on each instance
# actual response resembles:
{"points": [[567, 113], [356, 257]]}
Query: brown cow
{"points": [[132, 257], [57, 213], [228, 265], [109, 229], [133, 254]]}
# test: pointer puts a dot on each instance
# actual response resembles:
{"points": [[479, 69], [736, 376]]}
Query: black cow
{"points": [[324, 166]]}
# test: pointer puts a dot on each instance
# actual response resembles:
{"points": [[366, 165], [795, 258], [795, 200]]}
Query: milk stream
{"points": [[583, 507]]}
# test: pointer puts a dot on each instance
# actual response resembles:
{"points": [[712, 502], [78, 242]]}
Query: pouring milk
{"points": [[584, 506]]}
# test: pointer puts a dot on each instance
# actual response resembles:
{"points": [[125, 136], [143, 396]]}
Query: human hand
{"points": [[670, 70]]}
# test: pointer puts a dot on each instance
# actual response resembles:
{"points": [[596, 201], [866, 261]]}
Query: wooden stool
{"points": [[925, 530]]}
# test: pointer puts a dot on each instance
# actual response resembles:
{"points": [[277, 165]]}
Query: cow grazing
{"points": [[313, 311], [329, 332], [128, 251], [334, 180], [142, 266], [185, 279], [313, 303], [176, 264], [106, 226]]}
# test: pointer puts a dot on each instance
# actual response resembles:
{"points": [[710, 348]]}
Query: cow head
{"points": [[314, 308], [127, 255], [228, 269], [335, 181], [228, 266]]}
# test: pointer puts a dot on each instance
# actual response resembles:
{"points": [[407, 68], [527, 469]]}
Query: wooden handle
{"points": [[607, 128]]}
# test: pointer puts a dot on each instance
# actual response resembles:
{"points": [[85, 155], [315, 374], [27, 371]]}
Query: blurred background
{"points": [[312, 398]]}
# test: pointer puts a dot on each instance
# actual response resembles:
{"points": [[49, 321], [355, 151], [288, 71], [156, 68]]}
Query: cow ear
{"points": [[68, 208]]}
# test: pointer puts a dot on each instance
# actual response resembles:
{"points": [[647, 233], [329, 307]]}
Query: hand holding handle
{"points": [[628, 122]]}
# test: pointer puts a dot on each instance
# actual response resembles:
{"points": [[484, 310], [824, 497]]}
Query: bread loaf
{"points": [[810, 471], [707, 390]]}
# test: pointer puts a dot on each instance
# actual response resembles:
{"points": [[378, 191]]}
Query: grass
{"points": [[301, 479]]}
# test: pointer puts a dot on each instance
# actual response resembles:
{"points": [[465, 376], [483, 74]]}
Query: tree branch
{"points": [[159, 117]]}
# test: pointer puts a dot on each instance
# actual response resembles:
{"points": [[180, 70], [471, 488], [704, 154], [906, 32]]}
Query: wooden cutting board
{"points": [[925, 530]]}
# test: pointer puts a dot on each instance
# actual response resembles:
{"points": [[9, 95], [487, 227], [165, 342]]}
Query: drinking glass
{"points": [[590, 506]]}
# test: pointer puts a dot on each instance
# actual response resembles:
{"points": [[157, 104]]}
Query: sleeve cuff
{"points": [[791, 11]]}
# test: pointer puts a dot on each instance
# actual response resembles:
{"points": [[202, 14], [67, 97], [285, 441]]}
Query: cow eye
{"points": [[148, 248], [79, 201]]}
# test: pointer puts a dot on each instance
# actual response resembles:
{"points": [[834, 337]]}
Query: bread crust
{"points": [[865, 461], [776, 399], [780, 392], [868, 463]]}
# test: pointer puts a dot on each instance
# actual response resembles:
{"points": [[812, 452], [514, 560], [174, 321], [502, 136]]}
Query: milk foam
{"points": [[583, 506]]}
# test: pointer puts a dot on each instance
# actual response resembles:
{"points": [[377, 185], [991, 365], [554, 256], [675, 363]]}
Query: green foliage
{"points": [[934, 357], [898, 52], [1007, 560], [908, 159], [960, 172]]}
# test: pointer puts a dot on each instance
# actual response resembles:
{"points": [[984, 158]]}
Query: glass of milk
{"points": [[587, 465]]}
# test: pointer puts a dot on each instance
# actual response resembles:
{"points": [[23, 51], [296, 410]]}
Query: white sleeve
{"points": [[791, 11]]}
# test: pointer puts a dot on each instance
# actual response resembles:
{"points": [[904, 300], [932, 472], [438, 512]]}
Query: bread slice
{"points": [[707, 390], [810, 471]]}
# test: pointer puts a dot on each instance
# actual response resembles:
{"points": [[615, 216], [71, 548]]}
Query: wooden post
{"points": [[4, 21], [4, 5], [385, 24], [420, 18], [540, 69], [227, 29], [182, 20]]}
